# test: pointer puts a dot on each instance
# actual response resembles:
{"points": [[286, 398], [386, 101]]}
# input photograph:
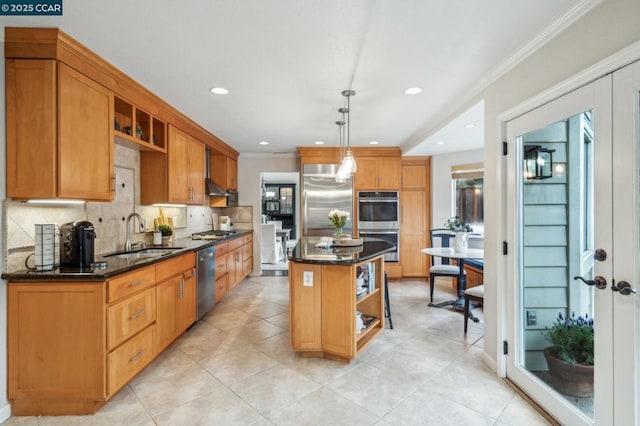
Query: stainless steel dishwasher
{"points": [[206, 281]]}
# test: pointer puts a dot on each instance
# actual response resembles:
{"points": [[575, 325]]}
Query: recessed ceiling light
{"points": [[413, 90], [374, 143], [440, 143], [263, 143], [319, 143], [219, 90], [470, 126]]}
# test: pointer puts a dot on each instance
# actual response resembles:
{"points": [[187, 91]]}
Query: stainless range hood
{"points": [[211, 188]]}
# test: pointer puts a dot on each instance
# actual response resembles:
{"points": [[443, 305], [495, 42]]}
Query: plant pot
{"points": [[166, 239], [460, 242], [574, 380]]}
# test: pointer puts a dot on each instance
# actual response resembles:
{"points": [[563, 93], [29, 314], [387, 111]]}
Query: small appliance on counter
{"points": [[45, 241], [225, 223], [77, 244]]}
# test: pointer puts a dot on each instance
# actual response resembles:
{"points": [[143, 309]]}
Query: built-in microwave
{"points": [[378, 210]]}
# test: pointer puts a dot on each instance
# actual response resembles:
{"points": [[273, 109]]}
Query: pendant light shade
{"points": [[349, 161], [341, 176]]}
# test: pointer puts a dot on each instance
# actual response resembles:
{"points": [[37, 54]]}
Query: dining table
{"points": [[460, 256]]}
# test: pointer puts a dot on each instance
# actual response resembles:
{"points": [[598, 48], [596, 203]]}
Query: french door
{"points": [[573, 219]]}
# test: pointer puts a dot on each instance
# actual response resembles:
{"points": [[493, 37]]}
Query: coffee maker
{"points": [[77, 244]]}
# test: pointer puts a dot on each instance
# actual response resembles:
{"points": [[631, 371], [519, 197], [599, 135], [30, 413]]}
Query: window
{"points": [[468, 194]]}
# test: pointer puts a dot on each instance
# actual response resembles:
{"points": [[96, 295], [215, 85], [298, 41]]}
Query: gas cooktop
{"points": [[211, 235]]}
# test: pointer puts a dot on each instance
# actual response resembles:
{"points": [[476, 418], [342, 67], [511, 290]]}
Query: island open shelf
{"points": [[323, 299]]}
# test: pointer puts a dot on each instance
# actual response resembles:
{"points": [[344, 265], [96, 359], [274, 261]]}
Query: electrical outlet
{"points": [[532, 318], [307, 278]]}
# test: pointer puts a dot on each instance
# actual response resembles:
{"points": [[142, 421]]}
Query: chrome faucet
{"points": [[129, 243]]}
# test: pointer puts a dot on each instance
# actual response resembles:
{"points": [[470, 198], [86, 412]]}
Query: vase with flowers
{"points": [[461, 229], [570, 356], [337, 219]]}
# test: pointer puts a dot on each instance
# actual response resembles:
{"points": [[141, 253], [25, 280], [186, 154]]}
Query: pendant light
{"points": [[349, 161], [341, 175]]}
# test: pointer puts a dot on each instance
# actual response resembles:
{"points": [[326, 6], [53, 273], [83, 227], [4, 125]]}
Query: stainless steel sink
{"points": [[144, 253]]}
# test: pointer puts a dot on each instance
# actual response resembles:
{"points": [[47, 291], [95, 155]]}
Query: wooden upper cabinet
{"points": [[178, 166], [414, 176], [196, 153], [232, 174], [85, 137], [224, 171], [178, 176], [377, 173], [59, 122]]}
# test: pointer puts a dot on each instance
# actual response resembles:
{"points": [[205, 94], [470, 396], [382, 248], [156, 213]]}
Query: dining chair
{"points": [[474, 294], [441, 266]]}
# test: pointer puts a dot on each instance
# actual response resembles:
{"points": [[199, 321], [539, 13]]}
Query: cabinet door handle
{"points": [[113, 183], [181, 294], [137, 314], [136, 356], [137, 282]]}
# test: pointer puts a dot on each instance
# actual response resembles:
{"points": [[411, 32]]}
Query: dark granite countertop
{"points": [[307, 252], [117, 265]]}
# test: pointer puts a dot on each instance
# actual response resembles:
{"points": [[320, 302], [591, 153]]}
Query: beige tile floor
{"points": [[236, 367]]}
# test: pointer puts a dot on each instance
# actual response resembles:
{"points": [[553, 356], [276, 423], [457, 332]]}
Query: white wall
{"points": [[441, 189], [250, 169], [603, 31]]}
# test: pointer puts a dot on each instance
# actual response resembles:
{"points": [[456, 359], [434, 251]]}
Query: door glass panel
{"points": [[556, 237]]}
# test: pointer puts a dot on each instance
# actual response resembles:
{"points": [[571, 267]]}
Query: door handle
{"points": [[623, 287], [598, 281]]}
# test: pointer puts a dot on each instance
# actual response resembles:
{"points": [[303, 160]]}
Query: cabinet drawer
{"points": [[222, 287], [234, 244], [247, 266], [247, 239], [124, 285], [222, 248], [126, 361], [247, 251], [175, 266], [129, 316], [221, 266]]}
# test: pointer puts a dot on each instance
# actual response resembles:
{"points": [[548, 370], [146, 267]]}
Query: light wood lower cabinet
{"points": [[56, 347], [73, 345], [130, 358], [323, 311], [239, 259], [176, 306]]}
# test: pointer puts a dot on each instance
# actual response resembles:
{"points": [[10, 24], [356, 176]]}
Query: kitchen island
{"points": [[336, 296]]}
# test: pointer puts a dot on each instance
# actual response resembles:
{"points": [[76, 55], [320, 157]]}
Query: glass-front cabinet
{"points": [[278, 204]]}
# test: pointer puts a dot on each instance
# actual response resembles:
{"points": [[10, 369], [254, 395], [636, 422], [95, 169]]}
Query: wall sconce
{"points": [[538, 163]]}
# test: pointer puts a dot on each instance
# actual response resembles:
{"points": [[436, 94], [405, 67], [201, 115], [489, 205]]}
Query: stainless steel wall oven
{"points": [[379, 217], [378, 210], [390, 235]]}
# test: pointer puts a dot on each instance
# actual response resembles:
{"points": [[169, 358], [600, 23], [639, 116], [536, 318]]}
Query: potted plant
{"points": [[337, 219], [455, 224], [166, 232], [570, 358]]}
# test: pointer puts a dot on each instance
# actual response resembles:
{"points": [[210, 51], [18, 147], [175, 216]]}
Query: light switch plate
{"points": [[307, 278]]}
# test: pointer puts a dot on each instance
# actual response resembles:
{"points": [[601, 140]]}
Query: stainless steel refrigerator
{"points": [[321, 194]]}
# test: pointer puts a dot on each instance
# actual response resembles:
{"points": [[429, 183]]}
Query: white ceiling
{"points": [[285, 62]]}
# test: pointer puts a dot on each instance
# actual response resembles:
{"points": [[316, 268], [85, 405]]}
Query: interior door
{"points": [[580, 224], [555, 230]]}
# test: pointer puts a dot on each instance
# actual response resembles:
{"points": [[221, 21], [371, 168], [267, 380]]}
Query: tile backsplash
{"points": [[108, 218]]}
